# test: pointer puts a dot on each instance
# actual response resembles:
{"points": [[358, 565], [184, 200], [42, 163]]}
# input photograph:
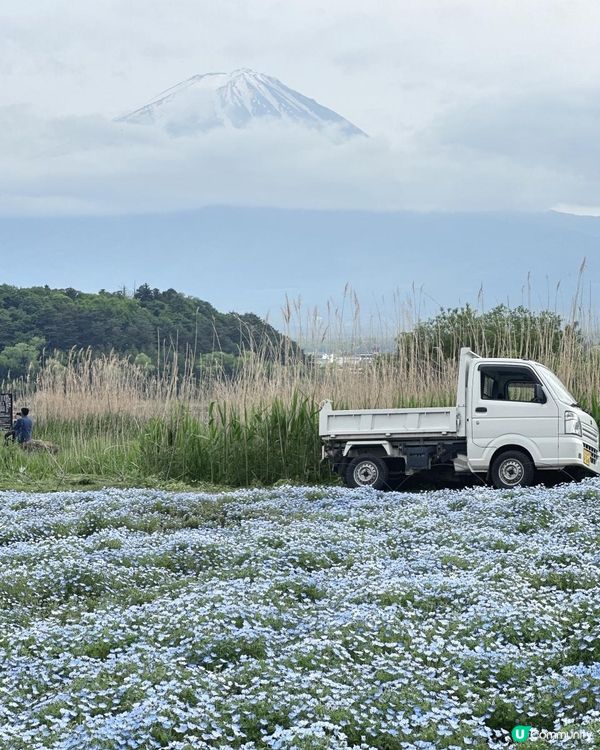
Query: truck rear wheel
{"points": [[367, 471], [512, 469]]}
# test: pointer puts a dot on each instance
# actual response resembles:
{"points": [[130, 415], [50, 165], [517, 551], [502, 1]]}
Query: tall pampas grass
{"points": [[258, 423]]}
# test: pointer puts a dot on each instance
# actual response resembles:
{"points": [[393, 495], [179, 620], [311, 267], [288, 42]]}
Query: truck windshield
{"points": [[563, 394]]}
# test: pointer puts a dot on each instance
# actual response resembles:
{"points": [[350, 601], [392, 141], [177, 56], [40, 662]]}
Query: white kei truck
{"points": [[512, 417]]}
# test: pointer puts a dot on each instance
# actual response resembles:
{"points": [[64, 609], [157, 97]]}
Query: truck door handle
{"points": [[481, 409]]}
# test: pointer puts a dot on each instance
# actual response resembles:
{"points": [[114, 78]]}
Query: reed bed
{"points": [[113, 418]]}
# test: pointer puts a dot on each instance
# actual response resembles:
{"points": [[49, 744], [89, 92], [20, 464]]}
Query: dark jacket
{"points": [[23, 428]]}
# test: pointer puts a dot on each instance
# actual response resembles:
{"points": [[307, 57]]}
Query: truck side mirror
{"points": [[539, 397]]}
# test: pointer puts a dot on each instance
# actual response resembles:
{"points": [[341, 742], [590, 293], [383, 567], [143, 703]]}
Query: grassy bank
{"points": [[260, 446], [230, 448]]}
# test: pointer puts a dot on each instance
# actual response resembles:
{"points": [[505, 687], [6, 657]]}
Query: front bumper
{"points": [[576, 451]]}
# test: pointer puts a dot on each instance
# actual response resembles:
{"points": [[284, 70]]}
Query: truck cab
{"points": [[516, 405], [511, 418]]}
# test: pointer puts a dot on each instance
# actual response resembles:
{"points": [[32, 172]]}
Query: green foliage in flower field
{"points": [[261, 446], [91, 452], [258, 446]]}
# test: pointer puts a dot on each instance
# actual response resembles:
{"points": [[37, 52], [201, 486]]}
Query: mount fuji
{"points": [[234, 100]]}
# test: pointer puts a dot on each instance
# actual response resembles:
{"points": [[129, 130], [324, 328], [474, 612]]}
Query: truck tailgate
{"points": [[361, 423]]}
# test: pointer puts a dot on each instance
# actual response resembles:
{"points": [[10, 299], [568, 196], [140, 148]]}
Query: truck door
{"points": [[510, 400]]}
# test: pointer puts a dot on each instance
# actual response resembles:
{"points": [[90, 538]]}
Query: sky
{"points": [[469, 105]]}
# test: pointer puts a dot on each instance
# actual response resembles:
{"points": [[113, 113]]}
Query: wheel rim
{"points": [[366, 473], [511, 471]]}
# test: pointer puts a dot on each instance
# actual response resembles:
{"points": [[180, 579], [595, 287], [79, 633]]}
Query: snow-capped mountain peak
{"points": [[235, 99]]}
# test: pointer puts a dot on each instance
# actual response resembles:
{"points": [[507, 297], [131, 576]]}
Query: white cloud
{"points": [[565, 208], [94, 165], [541, 127]]}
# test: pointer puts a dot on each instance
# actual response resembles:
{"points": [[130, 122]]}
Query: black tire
{"points": [[367, 471], [512, 469]]}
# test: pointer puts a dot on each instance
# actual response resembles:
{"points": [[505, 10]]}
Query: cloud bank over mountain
{"points": [[466, 161]]}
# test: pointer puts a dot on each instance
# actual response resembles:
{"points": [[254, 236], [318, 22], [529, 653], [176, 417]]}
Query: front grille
{"points": [[589, 433], [593, 451]]}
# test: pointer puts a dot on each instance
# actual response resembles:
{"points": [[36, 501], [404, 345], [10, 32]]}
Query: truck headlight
{"points": [[572, 424]]}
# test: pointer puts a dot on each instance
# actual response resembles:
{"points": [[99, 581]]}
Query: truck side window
{"points": [[508, 383]]}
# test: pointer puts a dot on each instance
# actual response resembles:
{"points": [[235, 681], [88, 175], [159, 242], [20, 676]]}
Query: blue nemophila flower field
{"points": [[298, 618]]}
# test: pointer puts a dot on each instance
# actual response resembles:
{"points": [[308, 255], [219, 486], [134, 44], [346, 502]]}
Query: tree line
{"points": [[500, 331], [40, 319]]}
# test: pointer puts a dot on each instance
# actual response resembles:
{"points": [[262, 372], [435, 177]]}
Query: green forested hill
{"points": [[39, 318]]}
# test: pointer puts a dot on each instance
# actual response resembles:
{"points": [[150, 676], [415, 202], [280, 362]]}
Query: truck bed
{"points": [[386, 423]]}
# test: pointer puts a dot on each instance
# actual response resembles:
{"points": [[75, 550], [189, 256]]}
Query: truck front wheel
{"points": [[367, 471], [512, 469]]}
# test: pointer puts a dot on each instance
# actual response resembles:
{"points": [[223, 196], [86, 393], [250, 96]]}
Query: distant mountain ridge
{"points": [[238, 99]]}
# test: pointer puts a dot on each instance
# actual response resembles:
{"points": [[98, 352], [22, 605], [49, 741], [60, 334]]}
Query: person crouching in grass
{"points": [[22, 428]]}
